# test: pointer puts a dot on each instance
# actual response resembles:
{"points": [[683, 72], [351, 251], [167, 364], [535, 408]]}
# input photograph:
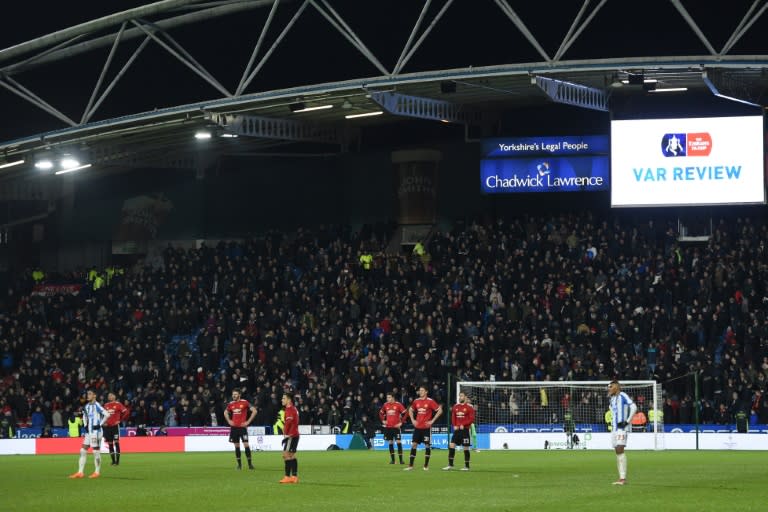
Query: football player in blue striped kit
{"points": [[622, 408], [94, 417]]}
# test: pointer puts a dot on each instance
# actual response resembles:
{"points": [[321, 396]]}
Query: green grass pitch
{"points": [[353, 480]]}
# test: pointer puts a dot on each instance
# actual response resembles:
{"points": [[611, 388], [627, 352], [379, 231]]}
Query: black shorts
{"points": [[421, 435], [290, 444], [111, 434], [238, 433], [392, 434], [461, 436]]}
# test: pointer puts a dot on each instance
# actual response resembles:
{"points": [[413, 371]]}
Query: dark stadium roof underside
{"points": [[136, 137]]}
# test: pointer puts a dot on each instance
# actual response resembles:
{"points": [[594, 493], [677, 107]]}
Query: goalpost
{"points": [[559, 406]]}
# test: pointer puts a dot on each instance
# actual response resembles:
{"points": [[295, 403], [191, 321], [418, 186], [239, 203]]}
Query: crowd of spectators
{"points": [[547, 298]]}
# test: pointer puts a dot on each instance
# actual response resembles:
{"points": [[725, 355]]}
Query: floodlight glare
{"points": [[203, 134], [44, 165], [364, 114], [69, 162], [11, 164], [310, 109], [671, 89], [73, 169]]}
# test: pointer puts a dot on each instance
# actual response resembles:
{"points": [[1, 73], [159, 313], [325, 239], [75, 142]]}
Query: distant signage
{"points": [[546, 428], [545, 164], [513, 147], [439, 441], [543, 174], [46, 290]]}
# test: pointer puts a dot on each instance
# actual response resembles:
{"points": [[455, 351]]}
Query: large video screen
{"points": [[689, 161]]}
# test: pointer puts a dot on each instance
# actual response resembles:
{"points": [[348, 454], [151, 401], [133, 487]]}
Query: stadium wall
{"points": [[531, 441]]}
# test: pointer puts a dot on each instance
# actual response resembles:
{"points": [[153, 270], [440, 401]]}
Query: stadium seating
{"points": [[568, 297]]}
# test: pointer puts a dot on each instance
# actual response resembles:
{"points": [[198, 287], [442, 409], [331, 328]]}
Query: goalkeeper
{"points": [[569, 427]]}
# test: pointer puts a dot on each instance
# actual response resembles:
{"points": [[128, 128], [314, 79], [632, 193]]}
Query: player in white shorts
{"points": [[622, 409], [94, 417]]}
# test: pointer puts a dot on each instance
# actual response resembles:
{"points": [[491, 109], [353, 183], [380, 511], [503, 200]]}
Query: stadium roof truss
{"points": [[262, 119]]}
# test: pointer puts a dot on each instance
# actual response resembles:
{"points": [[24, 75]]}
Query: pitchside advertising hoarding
{"points": [[691, 161], [544, 164]]}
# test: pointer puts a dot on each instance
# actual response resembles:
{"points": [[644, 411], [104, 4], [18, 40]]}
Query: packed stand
{"points": [[538, 298]]}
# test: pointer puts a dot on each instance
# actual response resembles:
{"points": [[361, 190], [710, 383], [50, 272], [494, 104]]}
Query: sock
{"points": [[392, 453], [287, 468], [621, 462], [295, 467], [451, 455], [427, 454], [117, 452], [97, 459], [248, 454], [400, 451], [111, 452], [466, 456], [413, 455], [237, 454], [81, 462]]}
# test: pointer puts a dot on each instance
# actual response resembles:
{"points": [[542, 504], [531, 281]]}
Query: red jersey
{"points": [[391, 414], [425, 409], [117, 413], [462, 415], [291, 426], [239, 410]]}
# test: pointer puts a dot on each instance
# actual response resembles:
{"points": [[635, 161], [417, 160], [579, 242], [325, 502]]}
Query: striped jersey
{"points": [[621, 406], [93, 416]]}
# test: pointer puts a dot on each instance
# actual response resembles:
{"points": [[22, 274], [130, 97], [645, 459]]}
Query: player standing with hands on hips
{"points": [[622, 409], [94, 417], [462, 418], [426, 413]]}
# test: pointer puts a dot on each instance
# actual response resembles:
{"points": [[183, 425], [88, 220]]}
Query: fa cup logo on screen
{"points": [[686, 144]]}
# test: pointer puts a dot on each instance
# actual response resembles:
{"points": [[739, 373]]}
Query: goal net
{"points": [[560, 407]]}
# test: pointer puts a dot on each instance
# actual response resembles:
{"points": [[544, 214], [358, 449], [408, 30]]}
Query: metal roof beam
{"points": [[24, 93], [185, 59], [275, 128], [59, 53], [408, 43], [103, 72], [89, 113], [421, 39], [744, 25], [344, 29], [90, 26], [256, 49], [426, 108], [573, 94], [266, 56], [687, 17], [571, 38], [512, 15]]}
